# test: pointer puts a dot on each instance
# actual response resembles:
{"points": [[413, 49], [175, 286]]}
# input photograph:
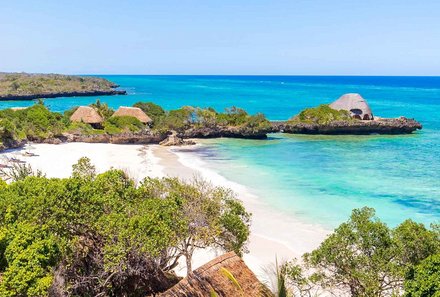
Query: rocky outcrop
{"points": [[223, 131], [174, 140], [11, 144], [63, 94], [225, 276], [400, 125], [122, 138]]}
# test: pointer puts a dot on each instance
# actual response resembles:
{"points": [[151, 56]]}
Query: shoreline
{"points": [[60, 95], [274, 235]]}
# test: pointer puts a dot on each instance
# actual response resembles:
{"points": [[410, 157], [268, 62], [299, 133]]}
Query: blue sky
{"points": [[313, 37]]}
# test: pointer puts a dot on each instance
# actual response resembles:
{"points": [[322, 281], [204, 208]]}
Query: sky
{"points": [[236, 37]]}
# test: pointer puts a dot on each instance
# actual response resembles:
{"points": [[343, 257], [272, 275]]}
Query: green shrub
{"points": [[424, 280], [111, 129], [154, 111], [323, 114], [103, 109], [126, 123]]}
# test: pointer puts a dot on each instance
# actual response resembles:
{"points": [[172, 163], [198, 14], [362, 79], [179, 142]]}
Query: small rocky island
{"points": [[25, 86], [350, 114]]}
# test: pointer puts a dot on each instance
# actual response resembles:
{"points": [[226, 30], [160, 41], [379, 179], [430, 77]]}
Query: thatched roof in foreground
{"points": [[132, 112], [353, 103], [87, 115], [225, 276]]}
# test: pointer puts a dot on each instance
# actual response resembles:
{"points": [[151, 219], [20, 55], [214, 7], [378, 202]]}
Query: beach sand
{"points": [[273, 235]]}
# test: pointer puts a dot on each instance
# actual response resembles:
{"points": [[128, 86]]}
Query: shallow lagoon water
{"points": [[317, 178]]}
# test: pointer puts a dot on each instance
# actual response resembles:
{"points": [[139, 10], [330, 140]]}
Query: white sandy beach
{"points": [[272, 235]]}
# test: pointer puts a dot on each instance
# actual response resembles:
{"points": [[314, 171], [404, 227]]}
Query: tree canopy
{"points": [[365, 257], [103, 235]]}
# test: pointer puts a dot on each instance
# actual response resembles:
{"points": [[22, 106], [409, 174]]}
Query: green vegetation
{"points": [[322, 115], [103, 109], [424, 279], [22, 84], [102, 235], [37, 123], [189, 117], [121, 124], [154, 111], [33, 123], [364, 257]]}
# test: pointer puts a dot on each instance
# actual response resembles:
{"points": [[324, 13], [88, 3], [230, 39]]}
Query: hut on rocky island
{"points": [[225, 276], [88, 115], [355, 104], [133, 112]]}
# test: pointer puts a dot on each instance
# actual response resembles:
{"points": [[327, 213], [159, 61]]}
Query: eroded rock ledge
{"points": [[381, 126], [400, 125]]}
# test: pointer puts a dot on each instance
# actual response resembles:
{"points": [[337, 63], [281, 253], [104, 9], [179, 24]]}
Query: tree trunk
{"points": [[188, 264]]}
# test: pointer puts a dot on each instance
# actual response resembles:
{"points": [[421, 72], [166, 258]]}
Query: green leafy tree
{"points": [[154, 111], [212, 216], [367, 258], [103, 109], [424, 280], [84, 169]]}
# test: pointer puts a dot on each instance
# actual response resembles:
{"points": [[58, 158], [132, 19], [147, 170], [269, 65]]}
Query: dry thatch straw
{"points": [[86, 114], [133, 112], [355, 104], [225, 276]]}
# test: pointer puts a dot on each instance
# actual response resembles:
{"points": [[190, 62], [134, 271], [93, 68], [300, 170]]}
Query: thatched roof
{"points": [[226, 276], [355, 104], [87, 115], [132, 112]]}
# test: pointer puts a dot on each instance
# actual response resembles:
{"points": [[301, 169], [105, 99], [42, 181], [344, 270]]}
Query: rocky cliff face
{"points": [[216, 278], [220, 131], [400, 125], [122, 138], [62, 94]]}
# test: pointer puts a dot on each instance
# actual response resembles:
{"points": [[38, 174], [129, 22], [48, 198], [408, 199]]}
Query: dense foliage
{"points": [[15, 84], [154, 111], [37, 123], [322, 114], [33, 123], [424, 279], [189, 117], [365, 257], [92, 235]]}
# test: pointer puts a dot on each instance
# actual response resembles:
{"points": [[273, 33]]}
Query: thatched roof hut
{"points": [[133, 112], [87, 115], [355, 104], [225, 276]]}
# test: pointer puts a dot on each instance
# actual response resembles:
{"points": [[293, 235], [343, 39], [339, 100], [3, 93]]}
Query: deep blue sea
{"points": [[317, 178]]}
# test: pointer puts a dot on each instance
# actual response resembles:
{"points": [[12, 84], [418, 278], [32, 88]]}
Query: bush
{"points": [[35, 122], [424, 280], [364, 257], [124, 123], [154, 111], [91, 235], [323, 114]]}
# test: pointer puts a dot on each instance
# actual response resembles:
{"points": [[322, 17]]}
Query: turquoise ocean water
{"points": [[316, 178]]}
